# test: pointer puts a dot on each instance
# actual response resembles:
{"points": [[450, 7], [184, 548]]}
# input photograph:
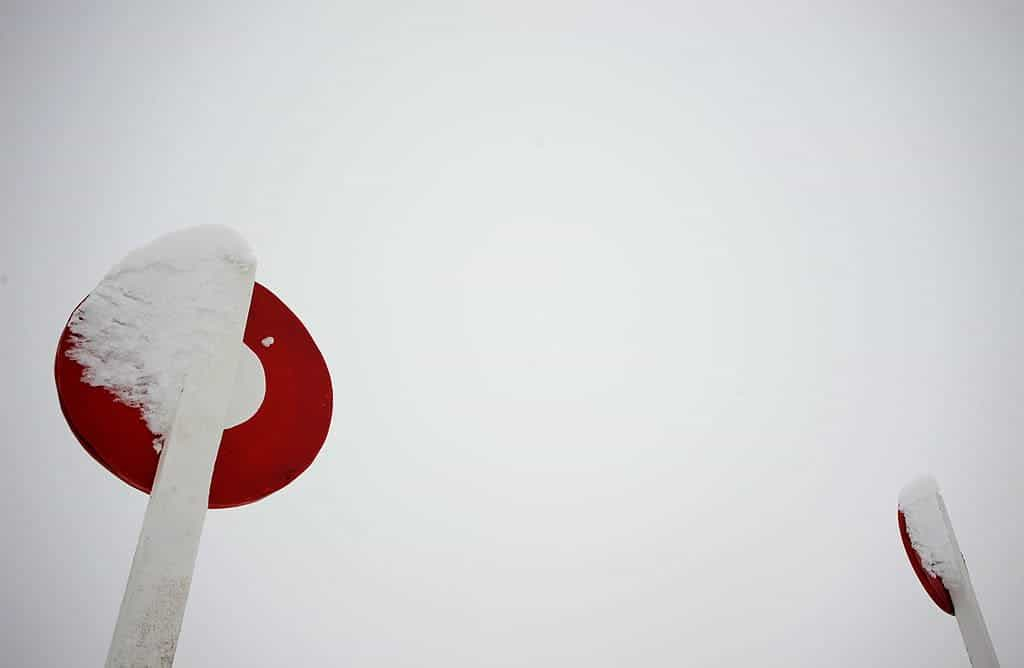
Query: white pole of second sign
{"points": [[966, 609], [151, 612]]}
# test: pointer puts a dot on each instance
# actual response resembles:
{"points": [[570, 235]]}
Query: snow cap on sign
{"points": [[924, 510], [156, 315]]}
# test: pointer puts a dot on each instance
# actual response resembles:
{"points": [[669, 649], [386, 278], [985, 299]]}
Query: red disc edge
{"points": [[320, 430]]}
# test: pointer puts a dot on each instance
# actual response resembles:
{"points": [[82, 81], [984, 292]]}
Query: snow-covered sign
{"points": [[187, 379], [935, 556]]}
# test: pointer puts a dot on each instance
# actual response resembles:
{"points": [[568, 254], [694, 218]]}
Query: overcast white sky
{"points": [[638, 319]]}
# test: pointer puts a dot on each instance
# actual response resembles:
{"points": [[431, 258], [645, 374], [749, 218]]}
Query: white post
{"points": [[151, 613], [967, 611]]}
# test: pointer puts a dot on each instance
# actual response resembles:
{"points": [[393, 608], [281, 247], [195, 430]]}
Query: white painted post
{"points": [[979, 646], [151, 613]]}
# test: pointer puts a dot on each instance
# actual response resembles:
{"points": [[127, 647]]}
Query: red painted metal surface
{"points": [[931, 583], [257, 457]]}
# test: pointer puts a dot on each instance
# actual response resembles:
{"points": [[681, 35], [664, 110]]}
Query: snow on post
{"points": [[924, 511], [159, 313]]}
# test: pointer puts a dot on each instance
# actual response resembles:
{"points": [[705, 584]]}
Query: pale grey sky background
{"points": [[638, 319]]}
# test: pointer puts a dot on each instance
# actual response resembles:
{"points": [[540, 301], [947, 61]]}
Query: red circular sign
{"points": [[257, 457], [931, 583]]}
